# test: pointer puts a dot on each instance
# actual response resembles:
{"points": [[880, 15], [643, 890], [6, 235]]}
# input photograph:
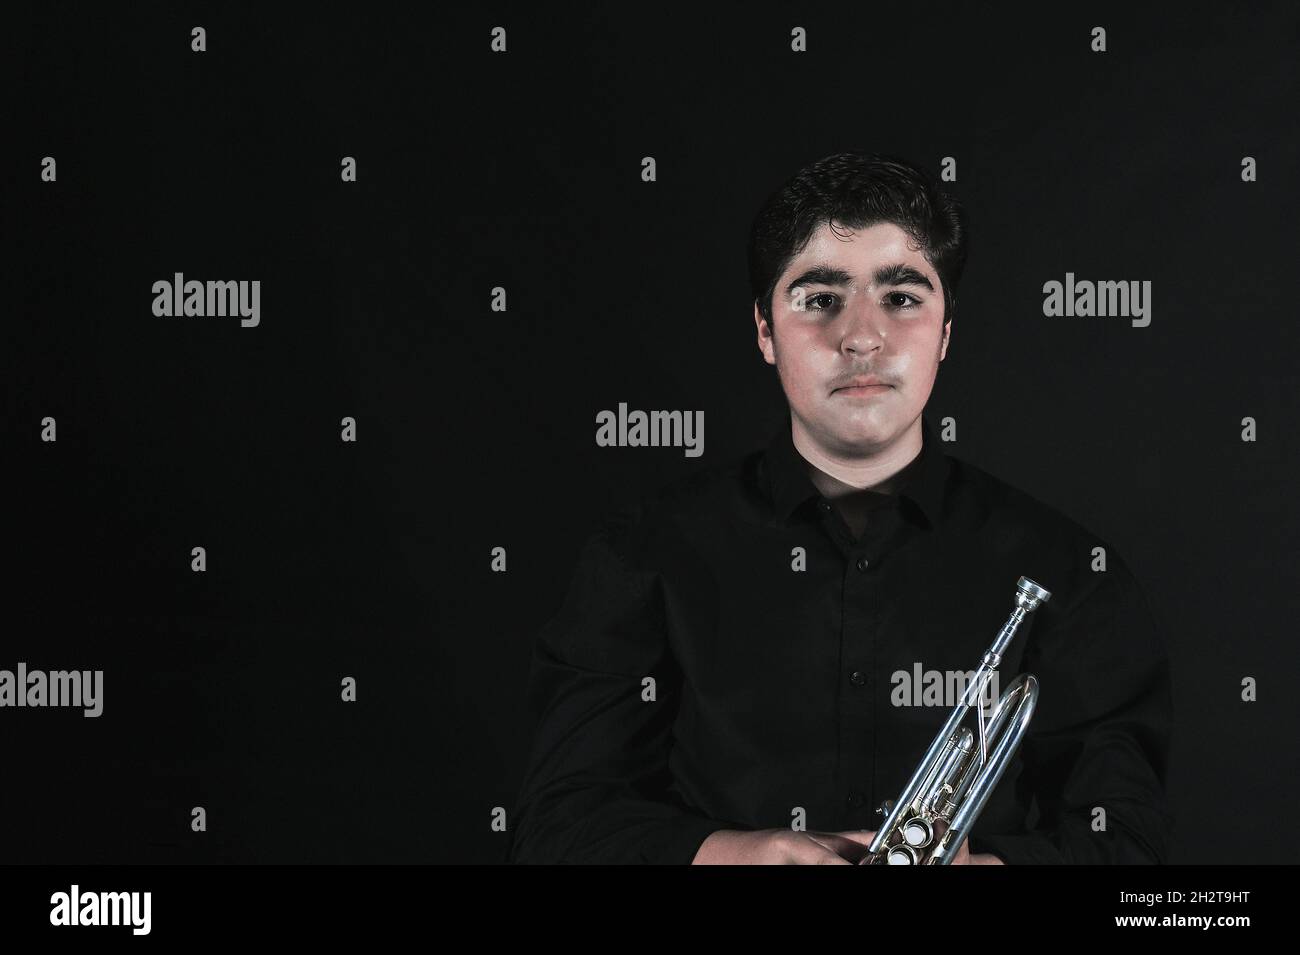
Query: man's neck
{"points": [[838, 477]]}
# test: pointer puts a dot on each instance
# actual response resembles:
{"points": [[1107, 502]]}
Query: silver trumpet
{"points": [[956, 777]]}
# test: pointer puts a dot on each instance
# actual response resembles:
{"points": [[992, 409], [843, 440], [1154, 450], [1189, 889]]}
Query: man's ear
{"points": [[943, 346], [764, 331]]}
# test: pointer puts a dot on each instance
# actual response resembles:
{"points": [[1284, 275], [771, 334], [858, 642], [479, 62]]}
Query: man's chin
{"points": [[859, 434]]}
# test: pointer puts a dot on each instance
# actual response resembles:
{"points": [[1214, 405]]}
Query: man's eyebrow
{"points": [[899, 274], [896, 274]]}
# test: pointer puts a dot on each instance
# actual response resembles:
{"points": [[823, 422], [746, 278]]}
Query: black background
{"points": [[476, 428]]}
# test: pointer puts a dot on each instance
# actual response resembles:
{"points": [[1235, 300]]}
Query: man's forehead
{"points": [[860, 252], [866, 245]]}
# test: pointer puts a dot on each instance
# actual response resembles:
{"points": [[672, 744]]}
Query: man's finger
{"points": [[850, 849], [861, 836], [830, 858]]}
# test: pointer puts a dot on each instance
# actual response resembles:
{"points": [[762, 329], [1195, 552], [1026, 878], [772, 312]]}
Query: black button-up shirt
{"points": [[728, 656]]}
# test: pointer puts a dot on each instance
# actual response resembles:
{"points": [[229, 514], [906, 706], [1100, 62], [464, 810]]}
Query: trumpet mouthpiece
{"points": [[1030, 595]]}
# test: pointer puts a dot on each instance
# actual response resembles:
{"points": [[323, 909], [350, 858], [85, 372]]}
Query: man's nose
{"points": [[864, 329]]}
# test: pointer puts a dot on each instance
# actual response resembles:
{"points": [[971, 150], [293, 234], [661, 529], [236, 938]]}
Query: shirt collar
{"points": [[922, 481]]}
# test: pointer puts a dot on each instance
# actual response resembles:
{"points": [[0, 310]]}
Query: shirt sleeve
{"points": [[598, 785], [1099, 738]]}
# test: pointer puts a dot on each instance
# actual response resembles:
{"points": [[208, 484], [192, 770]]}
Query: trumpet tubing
{"points": [[944, 797]]}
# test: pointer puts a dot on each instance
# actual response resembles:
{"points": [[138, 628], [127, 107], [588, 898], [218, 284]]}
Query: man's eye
{"points": [[897, 300]]}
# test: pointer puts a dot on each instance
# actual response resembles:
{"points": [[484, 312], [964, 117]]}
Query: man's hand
{"points": [[787, 847], [963, 856], [781, 847]]}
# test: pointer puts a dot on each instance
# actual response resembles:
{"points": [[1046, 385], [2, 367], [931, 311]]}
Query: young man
{"points": [[735, 674]]}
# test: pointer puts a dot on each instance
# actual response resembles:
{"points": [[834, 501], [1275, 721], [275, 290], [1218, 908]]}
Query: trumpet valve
{"points": [[917, 833], [903, 854]]}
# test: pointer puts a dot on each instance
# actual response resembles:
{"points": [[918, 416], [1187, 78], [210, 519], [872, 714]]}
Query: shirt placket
{"points": [[859, 644]]}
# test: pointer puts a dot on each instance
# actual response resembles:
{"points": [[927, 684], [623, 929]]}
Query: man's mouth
{"points": [[862, 391], [862, 386]]}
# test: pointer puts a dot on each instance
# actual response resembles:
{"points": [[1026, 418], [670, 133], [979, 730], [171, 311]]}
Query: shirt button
{"points": [[857, 678], [824, 505], [863, 564], [857, 800]]}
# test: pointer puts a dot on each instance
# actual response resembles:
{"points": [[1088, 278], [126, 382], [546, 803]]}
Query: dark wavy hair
{"points": [[857, 190]]}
